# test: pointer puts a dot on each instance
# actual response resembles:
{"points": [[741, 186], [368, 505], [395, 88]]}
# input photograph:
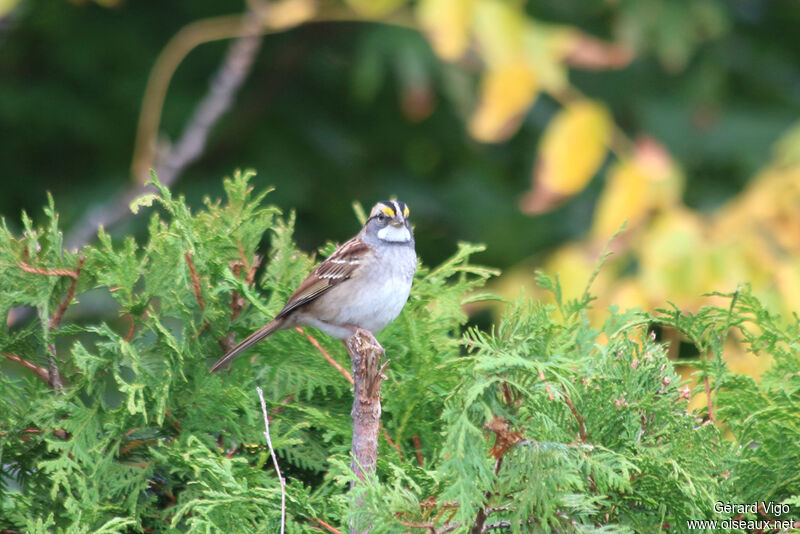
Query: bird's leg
{"points": [[366, 341]]}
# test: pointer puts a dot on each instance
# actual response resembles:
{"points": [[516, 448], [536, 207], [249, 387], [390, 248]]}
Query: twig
{"points": [[40, 371], [550, 395], [418, 449], [391, 443], [326, 526], [710, 401], [497, 526], [47, 272], [274, 458], [581, 425], [480, 519], [224, 85], [196, 287], [430, 527], [278, 409], [345, 373], [219, 98], [55, 320], [53, 373]]}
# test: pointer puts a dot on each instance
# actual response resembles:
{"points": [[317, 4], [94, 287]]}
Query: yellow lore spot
{"points": [[388, 211], [406, 212]]}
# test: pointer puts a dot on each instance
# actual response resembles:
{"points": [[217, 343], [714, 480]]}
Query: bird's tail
{"points": [[248, 342]]}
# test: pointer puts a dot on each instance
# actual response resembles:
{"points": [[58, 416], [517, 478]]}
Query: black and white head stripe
{"points": [[392, 208]]}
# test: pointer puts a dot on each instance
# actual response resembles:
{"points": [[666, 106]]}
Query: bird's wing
{"points": [[338, 267]]}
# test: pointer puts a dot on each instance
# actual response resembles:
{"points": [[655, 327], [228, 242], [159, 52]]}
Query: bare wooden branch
{"points": [[366, 413], [224, 85], [219, 98]]}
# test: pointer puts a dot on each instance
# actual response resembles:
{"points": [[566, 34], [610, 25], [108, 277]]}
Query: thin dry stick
{"points": [[418, 449], [546, 387], [344, 372], [326, 526], [55, 320], [41, 372], [274, 458], [53, 323], [46, 272], [710, 401], [196, 287], [581, 425]]}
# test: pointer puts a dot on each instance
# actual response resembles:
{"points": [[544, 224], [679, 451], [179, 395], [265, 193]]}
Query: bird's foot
{"points": [[362, 341]]}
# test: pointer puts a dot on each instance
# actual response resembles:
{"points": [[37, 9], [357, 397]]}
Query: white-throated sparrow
{"points": [[363, 284]]}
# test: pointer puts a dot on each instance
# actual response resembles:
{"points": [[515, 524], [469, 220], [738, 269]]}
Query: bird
{"points": [[364, 284]]}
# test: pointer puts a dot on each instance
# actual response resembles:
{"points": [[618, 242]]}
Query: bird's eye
{"points": [[381, 216]]}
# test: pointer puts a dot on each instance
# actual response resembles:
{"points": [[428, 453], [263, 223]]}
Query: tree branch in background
{"points": [[224, 85], [249, 28]]}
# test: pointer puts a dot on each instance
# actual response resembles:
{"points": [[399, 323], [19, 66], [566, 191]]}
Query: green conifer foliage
{"points": [[541, 424]]}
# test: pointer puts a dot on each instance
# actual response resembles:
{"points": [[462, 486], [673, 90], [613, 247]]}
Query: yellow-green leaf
{"points": [[624, 198], [500, 32], [375, 8], [574, 147], [446, 23], [6, 6], [145, 200], [506, 94]]}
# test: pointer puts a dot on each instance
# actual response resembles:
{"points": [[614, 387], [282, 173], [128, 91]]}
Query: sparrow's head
{"points": [[388, 220]]}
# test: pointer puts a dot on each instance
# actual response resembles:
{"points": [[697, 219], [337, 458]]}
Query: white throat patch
{"points": [[394, 234]]}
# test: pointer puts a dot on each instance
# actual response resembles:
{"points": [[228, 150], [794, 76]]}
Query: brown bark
{"points": [[367, 377]]}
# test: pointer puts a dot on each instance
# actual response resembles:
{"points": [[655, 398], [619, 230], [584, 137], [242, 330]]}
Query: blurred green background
{"points": [[334, 112]]}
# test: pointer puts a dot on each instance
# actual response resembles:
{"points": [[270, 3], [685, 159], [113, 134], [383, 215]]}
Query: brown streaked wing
{"points": [[337, 268]]}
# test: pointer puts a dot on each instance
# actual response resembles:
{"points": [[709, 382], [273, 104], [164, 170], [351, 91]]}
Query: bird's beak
{"points": [[398, 222]]}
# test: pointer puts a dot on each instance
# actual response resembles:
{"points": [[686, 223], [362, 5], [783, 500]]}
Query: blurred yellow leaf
{"points": [[787, 149], [506, 93], [624, 198], [674, 260], [374, 8], [573, 147], [545, 47], [500, 32], [575, 264], [289, 13], [6, 6], [636, 186], [627, 294], [446, 23], [788, 281]]}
